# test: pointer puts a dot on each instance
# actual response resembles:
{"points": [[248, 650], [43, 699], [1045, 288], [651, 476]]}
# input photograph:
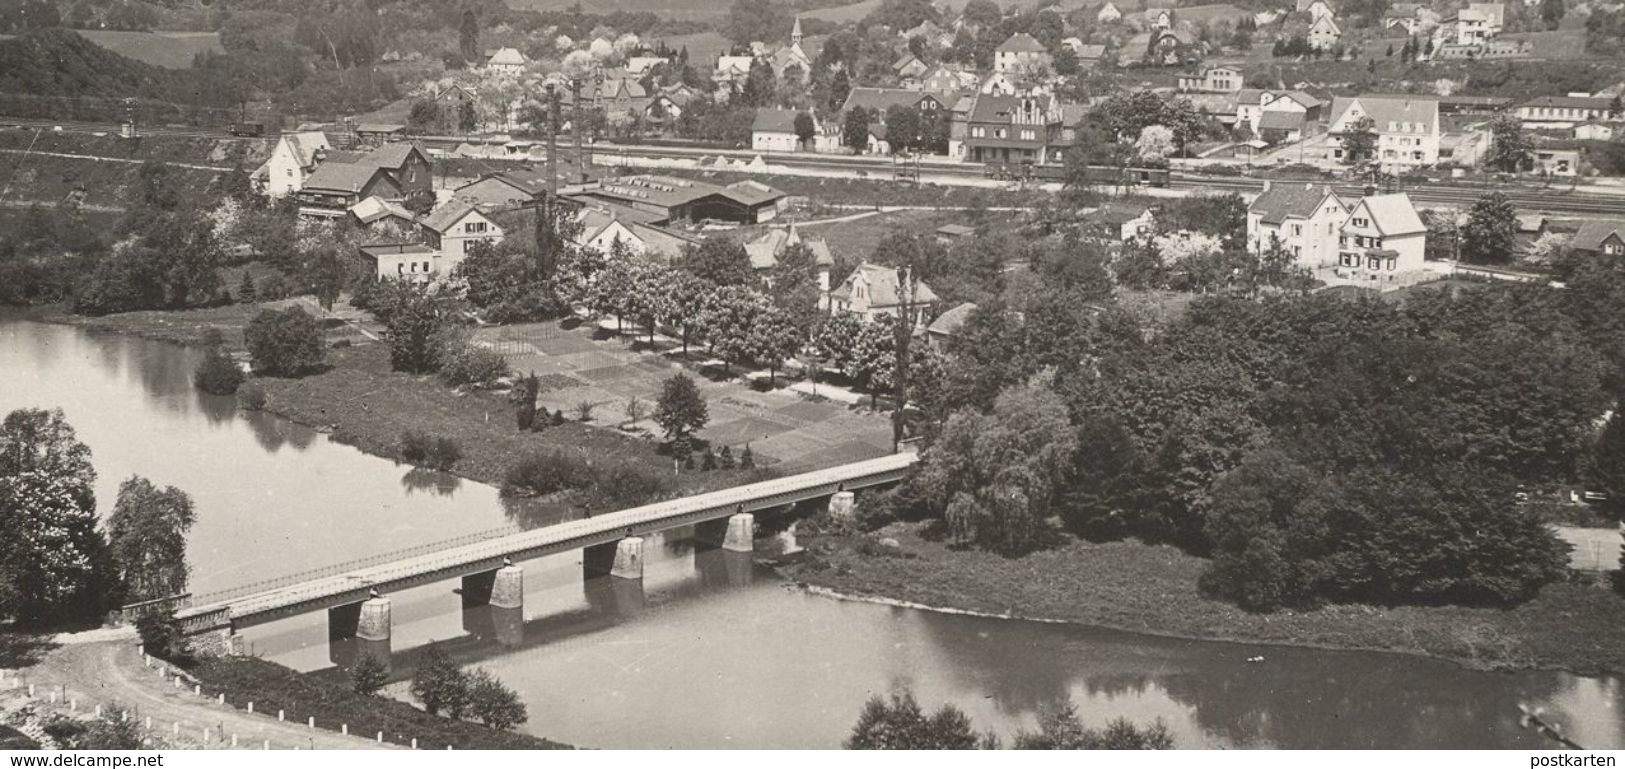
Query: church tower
{"points": [[795, 34]]}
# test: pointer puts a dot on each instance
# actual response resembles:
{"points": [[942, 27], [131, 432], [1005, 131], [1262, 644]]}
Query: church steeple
{"points": [[795, 34]]}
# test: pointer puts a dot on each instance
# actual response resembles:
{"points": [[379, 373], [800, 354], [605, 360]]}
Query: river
{"points": [[714, 652]]}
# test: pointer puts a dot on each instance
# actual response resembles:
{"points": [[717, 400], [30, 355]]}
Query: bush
{"points": [[493, 704], [368, 675], [161, 637], [583, 411], [475, 366], [284, 342], [217, 373], [546, 472], [433, 452], [625, 484], [252, 396]]}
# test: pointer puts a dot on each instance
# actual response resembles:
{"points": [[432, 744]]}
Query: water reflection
{"points": [[273, 497], [432, 481]]}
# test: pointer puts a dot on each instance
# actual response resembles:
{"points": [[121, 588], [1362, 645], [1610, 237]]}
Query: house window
{"points": [[1391, 263], [1297, 229], [474, 227], [1028, 135], [1359, 222]]}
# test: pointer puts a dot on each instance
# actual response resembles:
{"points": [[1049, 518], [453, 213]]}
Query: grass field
{"points": [[1152, 589], [163, 49], [670, 9]]}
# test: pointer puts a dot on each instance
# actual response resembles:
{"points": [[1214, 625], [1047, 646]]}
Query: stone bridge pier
{"points": [[494, 605], [359, 630], [622, 559], [736, 533]]}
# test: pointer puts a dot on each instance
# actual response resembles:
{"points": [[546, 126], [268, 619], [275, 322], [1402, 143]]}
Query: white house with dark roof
{"points": [[1382, 240], [292, 161], [1023, 54], [1212, 80], [1108, 13], [873, 290], [774, 130], [1306, 219], [1407, 129], [1324, 33], [764, 252], [507, 61], [452, 229]]}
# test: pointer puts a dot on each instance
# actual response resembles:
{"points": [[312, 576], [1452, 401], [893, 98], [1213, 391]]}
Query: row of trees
{"points": [[56, 563]]}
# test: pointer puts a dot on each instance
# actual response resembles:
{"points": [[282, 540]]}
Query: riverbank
{"points": [[1152, 590], [358, 400]]}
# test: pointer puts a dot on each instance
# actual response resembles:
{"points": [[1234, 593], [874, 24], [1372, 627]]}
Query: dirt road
{"points": [[104, 671]]}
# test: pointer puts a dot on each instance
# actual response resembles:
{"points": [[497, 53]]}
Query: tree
{"points": [[773, 339], [903, 128], [368, 675], [1552, 12], [147, 538], [424, 117], [1155, 144], [52, 559], [1359, 141], [900, 725], [1511, 150], [246, 293], [493, 704], [681, 409], [1066, 61], [793, 284], [855, 130], [719, 261], [1605, 469], [840, 87], [217, 373], [440, 684], [806, 129], [468, 37], [284, 342], [761, 85], [997, 477], [734, 314], [1491, 231], [416, 328], [690, 301]]}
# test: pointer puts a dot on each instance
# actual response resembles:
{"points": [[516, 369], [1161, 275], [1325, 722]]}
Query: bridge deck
{"points": [[352, 586]]}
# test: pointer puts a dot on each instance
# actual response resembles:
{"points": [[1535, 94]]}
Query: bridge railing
{"points": [[333, 570]]}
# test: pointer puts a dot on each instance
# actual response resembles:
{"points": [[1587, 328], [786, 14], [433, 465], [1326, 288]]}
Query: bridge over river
{"points": [[357, 600]]}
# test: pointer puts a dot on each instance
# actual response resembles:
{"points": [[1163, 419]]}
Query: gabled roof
{"points": [[880, 99], [447, 216], [1089, 51], [764, 251], [348, 178], [392, 155], [508, 57], [1393, 214], [1594, 232], [374, 208], [1390, 109], [883, 286], [1020, 42], [305, 145], [1118, 213], [775, 121], [1283, 201], [1281, 121], [904, 61]]}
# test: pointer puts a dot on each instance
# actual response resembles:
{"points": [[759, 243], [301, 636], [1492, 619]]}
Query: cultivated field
{"points": [[163, 49], [670, 9]]}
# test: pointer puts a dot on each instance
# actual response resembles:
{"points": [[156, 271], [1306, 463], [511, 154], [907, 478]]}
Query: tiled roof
{"points": [[1021, 42], [374, 208], [508, 56], [1281, 201], [882, 282], [348, 178], [1593, 232], [447, 216], [775, 121], [880, 99], [305, 145], [764, 251], [392, 155], [1571, 102], [1384, 110], [1282, 121], [1394, 214]]}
